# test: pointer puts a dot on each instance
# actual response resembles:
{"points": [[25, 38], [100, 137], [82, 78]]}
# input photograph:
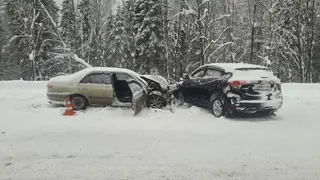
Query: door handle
{"points": [[84, 89]]}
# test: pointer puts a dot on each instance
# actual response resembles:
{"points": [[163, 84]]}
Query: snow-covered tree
{"points": [[129, 36], [149, 36], [33, 28], [85, 30], [118, 39], [68, 23], [2, 44], [107, 46], [296, 33]]}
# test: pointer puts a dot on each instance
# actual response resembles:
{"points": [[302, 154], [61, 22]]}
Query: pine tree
{"points": [[118, 39], [2, 44], [49, 38], [107, 59], [149, 36], [295, 30], [68, 33], [68, 24], [85, 23], [32, 25], [100, 29], [129, 48]]}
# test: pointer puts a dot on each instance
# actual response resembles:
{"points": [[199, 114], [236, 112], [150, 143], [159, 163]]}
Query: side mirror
{"points": [[185, 76]]}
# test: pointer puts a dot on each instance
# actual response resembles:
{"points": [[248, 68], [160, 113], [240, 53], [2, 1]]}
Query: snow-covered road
{"points": [[36, 142]]}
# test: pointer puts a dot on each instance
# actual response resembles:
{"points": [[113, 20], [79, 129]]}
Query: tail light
{"points": [[49, 86], [237, 84]]}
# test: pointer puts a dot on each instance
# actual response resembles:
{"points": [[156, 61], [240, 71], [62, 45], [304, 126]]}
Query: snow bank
{"points": [[23, 84], [37, 142]]}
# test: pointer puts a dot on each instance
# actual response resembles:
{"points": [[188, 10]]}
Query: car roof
{"points": [[109, 69], [88, 70], [230, 67]]}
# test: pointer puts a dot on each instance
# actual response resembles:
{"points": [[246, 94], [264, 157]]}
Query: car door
{"points": [[210, 83], [97, 88], [191, 87], [139, 97]]}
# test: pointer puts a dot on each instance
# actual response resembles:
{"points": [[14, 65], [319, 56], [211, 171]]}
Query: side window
{"points": [[100, 78], [86, 80], [212, 74], [135, 87], [198, 74], [123, 77]]}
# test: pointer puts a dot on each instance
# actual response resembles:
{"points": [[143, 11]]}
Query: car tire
{"points": [[155, 101], [79, 102], [217, 107]]}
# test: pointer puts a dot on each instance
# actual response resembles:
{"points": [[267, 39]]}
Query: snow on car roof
{"points": [[230, 67], [109, 69]]}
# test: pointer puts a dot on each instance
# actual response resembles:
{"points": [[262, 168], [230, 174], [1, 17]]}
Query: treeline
{"points": [[167, 37]]}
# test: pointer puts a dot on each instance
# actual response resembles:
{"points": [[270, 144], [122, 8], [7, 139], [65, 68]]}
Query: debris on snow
{"points": [[7, 164]]}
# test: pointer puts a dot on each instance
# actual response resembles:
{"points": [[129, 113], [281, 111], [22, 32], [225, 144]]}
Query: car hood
{"points": [[158, 79]]}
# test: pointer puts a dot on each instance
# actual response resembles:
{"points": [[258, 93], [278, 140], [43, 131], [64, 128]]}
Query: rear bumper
{"points": [[57, 98], [257, 105]]}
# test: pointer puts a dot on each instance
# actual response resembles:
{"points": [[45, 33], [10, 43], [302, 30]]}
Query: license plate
{"points": [[262, 87]]}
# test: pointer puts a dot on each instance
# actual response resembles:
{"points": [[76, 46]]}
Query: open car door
{"points": [[139, 97]]}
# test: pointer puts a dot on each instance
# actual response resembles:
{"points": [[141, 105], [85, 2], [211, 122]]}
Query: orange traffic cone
{"points": [[69, 111]]}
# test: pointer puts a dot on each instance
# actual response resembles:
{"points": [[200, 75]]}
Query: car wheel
{"points": [[155, 101], [79, 102], [217, 107]]}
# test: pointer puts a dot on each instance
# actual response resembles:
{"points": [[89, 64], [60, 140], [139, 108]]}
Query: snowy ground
{"points": [[36, 142]]}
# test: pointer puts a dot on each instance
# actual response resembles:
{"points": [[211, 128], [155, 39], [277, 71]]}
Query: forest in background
{"points": [[38, 40]]}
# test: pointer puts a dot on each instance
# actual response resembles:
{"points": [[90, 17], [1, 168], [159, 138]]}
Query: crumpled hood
{"points": [[159, 79]]}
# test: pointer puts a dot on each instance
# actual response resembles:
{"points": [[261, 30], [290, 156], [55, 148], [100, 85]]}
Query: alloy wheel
{"points": [[78, 103], [217, 108], [155, 101]]}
